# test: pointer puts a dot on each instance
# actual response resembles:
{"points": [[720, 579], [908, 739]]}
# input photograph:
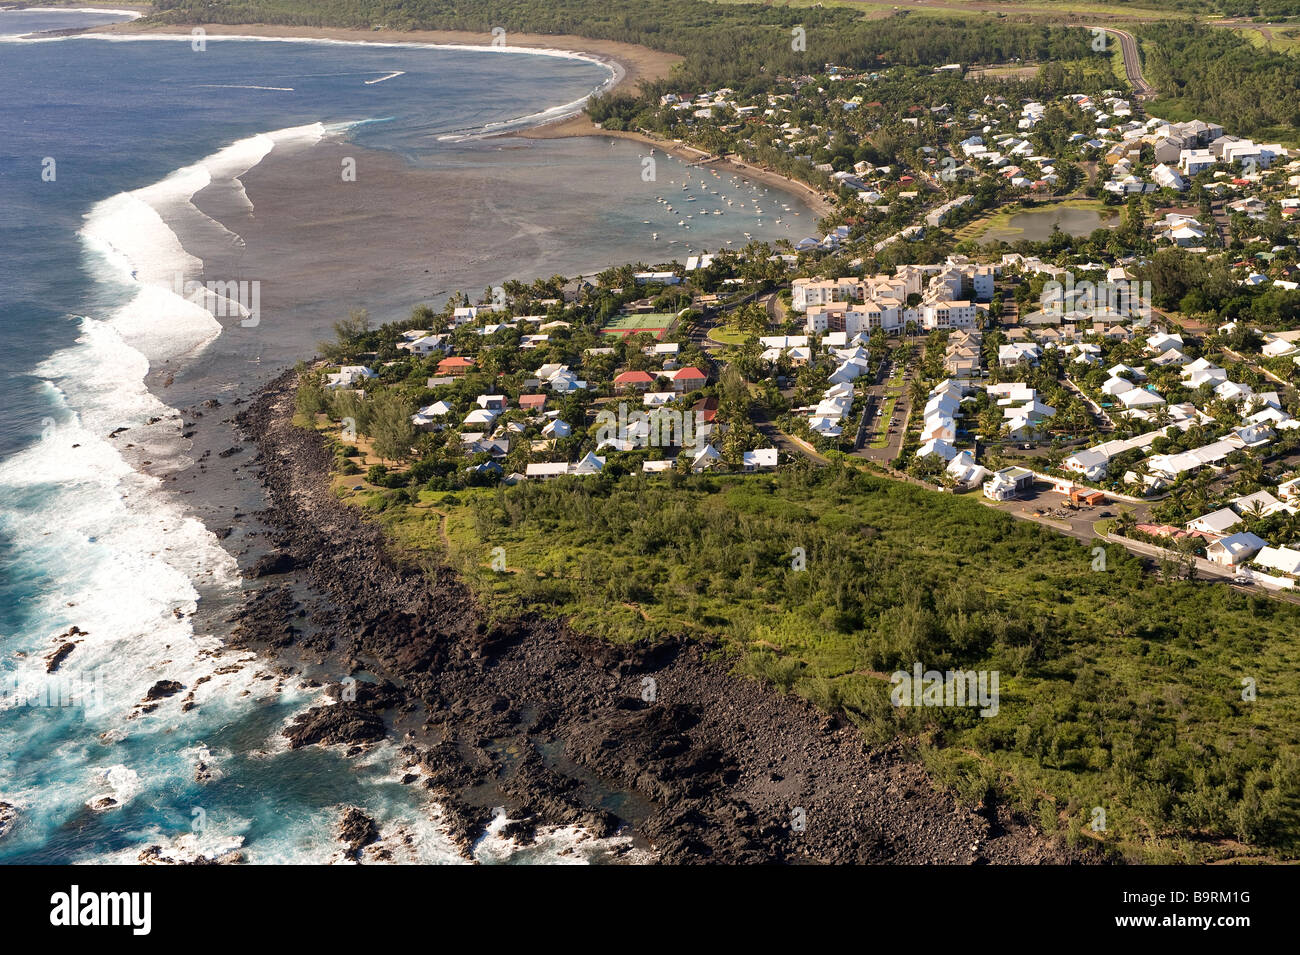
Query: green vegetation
{"points": [[1216, 74], [1117, 690]]}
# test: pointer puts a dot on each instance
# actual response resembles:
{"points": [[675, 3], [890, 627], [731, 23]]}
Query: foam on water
{"points": [[105, 548], [124, 560]]}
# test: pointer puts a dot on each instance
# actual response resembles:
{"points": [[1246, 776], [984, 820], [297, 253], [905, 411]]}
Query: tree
{"points": [[390, 428], [310, 399], [347, 332]]}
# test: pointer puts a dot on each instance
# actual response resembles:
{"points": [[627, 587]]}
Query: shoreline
{"points": [[580, 125], [553, 722], [632, 65], [637, 63]]}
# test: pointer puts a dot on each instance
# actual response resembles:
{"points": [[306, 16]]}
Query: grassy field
{"points": [[1283, 39], [729, 336], [1117, 690]]}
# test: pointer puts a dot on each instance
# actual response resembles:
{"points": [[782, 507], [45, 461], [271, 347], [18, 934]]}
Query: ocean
{"points": [[123, 172]]}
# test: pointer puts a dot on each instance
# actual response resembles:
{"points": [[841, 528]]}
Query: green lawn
{"points": [[729, 336]]}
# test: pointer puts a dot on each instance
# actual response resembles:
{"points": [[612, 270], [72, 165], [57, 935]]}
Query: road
{"points": [[1132, 62], [788, 445]]}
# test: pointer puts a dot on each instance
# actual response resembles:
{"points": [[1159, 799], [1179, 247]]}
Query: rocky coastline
{"points": [[558, 729]]}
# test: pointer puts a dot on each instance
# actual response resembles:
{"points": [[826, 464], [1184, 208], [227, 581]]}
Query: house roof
{"points": [[1279, 558], [1239, 545], [1216, 522], [633, 377]]}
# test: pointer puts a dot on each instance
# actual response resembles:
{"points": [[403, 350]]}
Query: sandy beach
{"points": [[637, 63], [580, 125]]}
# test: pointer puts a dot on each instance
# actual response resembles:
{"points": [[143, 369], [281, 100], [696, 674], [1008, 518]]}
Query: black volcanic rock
{"points": [[276, 563], [163, 689], [356, 831], [331, 725]]}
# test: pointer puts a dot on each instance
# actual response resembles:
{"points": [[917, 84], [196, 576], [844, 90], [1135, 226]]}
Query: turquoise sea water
{"points": [[100, 138]]}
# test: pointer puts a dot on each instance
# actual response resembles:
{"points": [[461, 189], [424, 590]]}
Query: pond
{"points": [[1035, 225]]}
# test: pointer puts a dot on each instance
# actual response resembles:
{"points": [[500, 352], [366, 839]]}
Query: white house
{"points": [[555, 428], [1140, 398], [348, 376], [759, 458], [1218, 523], [1235, 549], [706, 457], [1282, 559]]}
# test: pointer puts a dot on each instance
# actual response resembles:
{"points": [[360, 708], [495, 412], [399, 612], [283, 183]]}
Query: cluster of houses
{"points": [[948, 296], [827, 416], [939, 420], [1012, 157], [1181, 152], [1024, 415], [1261, 414], [1230, 546]]}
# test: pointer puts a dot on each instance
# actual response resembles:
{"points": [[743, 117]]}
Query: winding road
{"points": [[1132, 61]]}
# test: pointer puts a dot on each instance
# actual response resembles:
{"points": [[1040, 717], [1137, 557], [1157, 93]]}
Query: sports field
{"points": [[656, 323]]}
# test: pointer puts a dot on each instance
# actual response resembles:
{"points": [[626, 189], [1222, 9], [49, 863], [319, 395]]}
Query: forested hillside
{"points": [[723, 43], [1217, 75]]}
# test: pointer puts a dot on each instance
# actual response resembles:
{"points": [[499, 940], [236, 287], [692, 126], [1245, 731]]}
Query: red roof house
{"points": [[633, 381], [456, 365], [688, 379]]}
